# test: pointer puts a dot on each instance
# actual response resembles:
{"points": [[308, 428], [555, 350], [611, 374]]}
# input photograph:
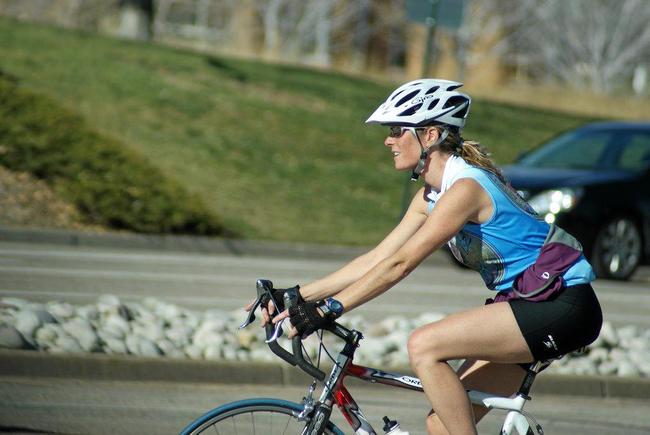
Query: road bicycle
{"points": [[312, 417]]}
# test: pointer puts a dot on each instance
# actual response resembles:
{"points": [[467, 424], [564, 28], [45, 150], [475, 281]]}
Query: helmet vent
{"points": [[454, 87], [433, 103], [432, 90], [455, 101], [406, 98], [411, 110], [397, 95]]}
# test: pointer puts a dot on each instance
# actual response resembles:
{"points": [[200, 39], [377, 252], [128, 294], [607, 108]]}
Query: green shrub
{"points": [[110, 185]]}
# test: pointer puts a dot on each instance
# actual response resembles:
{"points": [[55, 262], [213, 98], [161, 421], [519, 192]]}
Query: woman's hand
{"points": [[268, 307], [305, 318]]}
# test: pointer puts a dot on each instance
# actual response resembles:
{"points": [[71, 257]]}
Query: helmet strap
{"points": [[424, 153]]}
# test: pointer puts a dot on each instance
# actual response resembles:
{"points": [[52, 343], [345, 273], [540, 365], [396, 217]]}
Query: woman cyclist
{"points": [[545, 305]]}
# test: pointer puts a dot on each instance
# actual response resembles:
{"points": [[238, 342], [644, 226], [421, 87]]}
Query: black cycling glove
{"points": [[307, 318], [278, 295]]}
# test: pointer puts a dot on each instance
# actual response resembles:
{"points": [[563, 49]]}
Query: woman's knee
{"points": [[423, 346]]}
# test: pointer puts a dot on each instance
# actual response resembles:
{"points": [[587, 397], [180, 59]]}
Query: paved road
{"points": [[117, 408], [79, 275]]}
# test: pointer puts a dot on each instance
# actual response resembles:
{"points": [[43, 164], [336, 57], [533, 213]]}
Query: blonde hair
{"points": [[470, 151]]}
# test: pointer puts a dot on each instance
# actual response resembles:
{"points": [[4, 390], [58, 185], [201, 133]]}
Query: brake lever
{"points": [[277, 332], [251, 314]]}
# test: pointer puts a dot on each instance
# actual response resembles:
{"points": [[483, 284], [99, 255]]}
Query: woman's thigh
{"points": [[488, 333]]}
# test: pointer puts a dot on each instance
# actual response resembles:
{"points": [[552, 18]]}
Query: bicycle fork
{"points": [[335, 392]]}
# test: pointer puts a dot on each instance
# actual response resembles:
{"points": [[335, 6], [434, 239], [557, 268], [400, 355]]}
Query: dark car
{"points": [[595, 183]]}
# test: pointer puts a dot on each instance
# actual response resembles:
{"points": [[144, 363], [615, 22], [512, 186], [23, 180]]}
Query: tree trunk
{"points": [[136, 17]]}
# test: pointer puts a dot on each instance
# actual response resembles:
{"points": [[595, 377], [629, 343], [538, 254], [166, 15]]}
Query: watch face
{"points": [[335, 306]]}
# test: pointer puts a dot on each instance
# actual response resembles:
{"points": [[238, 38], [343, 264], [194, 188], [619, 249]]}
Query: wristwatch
{"points": [[332, 308]]}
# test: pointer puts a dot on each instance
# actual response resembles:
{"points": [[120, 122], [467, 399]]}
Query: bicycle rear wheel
{"points": [[253, 417]]}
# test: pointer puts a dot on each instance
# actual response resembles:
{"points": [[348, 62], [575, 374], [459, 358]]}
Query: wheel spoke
{"points": [[286, 426], [252, 419]]}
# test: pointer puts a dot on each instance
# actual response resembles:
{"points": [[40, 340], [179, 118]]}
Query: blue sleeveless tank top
{"points": [[509, 241]]}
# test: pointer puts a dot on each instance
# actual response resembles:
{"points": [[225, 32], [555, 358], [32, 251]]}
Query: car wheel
{"points": [[617, 249]]}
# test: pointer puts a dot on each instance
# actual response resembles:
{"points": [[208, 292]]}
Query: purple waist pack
{"points": [[543, 279]]}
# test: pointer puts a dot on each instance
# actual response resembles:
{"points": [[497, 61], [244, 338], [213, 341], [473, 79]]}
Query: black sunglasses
{"points": [[397, 131]]}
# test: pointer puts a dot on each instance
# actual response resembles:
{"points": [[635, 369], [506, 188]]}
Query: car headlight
{"points": [[551, 202]]}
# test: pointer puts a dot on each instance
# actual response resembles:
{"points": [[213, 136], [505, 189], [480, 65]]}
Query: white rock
{"points": [[112, 344], [626, 368], [371, 351], [242, 355], [10, 338], [638, 344], [212, 352], [644, 368], [168, 311], [116, 325], [194, 352], [61, 310], [26, 322], [191, 320], [639, 357], [608, 335], [108, 302], [144, 315], [246, 338], [83, 332], [138, 345], [46, 336], [88, 312], [607, 368], [583, 366], [169, 349], [151, 330], [208, 332], [229, 354], [627, 332], [66, 344], [16, 302], [396, 323], [598, 355], [179, 335], [262, 354]]}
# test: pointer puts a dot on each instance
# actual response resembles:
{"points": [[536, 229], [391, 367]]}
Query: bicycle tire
{"points": [[260, 416]]}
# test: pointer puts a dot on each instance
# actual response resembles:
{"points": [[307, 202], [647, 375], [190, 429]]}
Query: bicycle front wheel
{"points": [[253, 417]]}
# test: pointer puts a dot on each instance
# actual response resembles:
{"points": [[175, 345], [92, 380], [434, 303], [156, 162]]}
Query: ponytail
{"points": [[472, 152]]}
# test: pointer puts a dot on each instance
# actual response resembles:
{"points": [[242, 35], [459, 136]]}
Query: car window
{"points": [[636, 153], [577, 149]]}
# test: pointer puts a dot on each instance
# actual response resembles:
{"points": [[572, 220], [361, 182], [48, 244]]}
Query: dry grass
{"points": [[28, 202], [570, 101]]}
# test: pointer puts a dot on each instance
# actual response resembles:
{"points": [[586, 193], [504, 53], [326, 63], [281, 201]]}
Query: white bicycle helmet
{"points": [[424, 102]]}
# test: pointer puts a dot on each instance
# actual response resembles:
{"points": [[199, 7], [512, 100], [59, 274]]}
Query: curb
{"points": [[101, 367], [196, 244]]}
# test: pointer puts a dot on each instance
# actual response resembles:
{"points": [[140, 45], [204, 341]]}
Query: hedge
{"points": [[110, 184]]}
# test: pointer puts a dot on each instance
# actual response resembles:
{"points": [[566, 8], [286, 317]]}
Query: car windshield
{"points": [[593, 149]]}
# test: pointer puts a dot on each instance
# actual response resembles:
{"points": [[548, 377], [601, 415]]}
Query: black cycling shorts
{"points": [[559, 325]]}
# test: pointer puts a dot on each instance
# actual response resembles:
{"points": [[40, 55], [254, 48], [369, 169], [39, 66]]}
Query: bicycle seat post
{"points": [[531, 373]]}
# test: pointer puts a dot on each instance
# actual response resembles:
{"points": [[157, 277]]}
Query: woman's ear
{"points": [[431, 134]]}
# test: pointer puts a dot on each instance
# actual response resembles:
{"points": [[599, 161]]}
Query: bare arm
{"points": [[463, 202], [332, 284]]}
